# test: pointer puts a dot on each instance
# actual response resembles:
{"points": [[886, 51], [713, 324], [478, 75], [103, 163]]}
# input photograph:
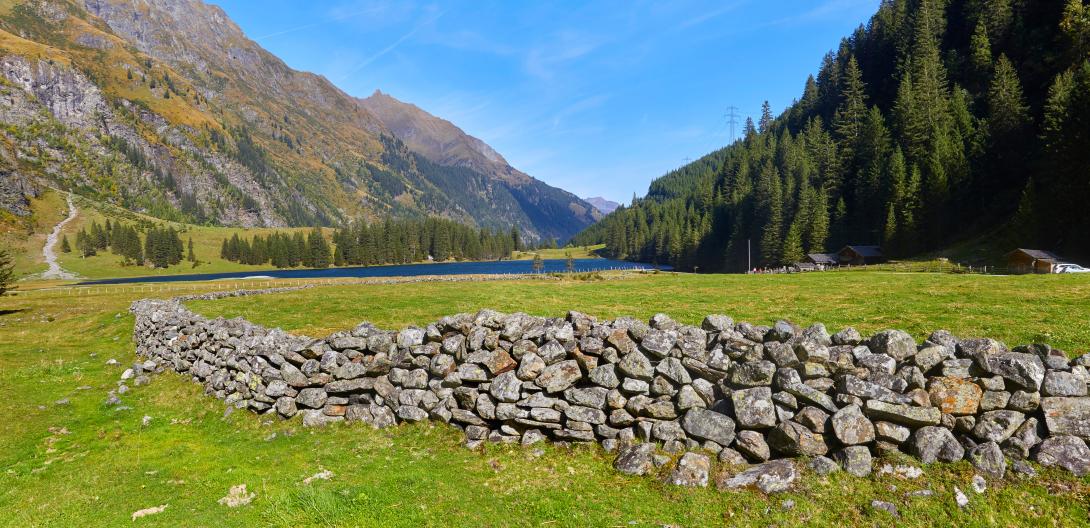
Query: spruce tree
{"points": [[191, 256], [65, 247], [792, 244], [538, 264]]}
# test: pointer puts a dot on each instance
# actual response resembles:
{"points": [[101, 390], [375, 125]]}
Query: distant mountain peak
{"points": [[603, 205]]}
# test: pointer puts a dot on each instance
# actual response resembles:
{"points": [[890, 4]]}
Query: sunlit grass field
{"points": [[81, 463]]}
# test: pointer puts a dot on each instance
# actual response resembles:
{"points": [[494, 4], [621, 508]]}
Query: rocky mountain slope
{"points": [[602, 205], [167, 108]]}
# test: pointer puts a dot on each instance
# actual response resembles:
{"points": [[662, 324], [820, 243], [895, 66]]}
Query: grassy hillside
{"points": [[206, 244], [25, 236], [98, 465], [579, 252]]}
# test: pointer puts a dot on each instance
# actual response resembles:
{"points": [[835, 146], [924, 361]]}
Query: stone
{"points": [[1066, 451], [585, 414], [666, 431], [903, 414], [313, 398], [752, 374], [605, 376], [286, 406], [855, 460], [688, 398], [1025, 370], [635, 459], [770, 477], [781, 331], [887, 507], [782, 354], [1059, 383], [730, 457], [410, 413], [931, 444], [891, 432], [956, 396], [530, 367], [895, 343], [988, 459], [847, 336], [996, 426], [673, 370], [1023, 401], [691, 470], [754, 408], [316, 418], [930, 357], [854, 386], [589, 397], [293, 376], [1067, 416], [752, 444], [706, 424], [507, 387], [717, 323], [813, 418], [811, 395], [851, 427], [824, 466], [559, 376], [793, 439], [960, 498], [636, 365], [658, 343]]}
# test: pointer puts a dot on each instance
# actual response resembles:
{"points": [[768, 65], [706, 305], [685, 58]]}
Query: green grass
{"points": [[1015, 309], [84, 464], [579, 252]]}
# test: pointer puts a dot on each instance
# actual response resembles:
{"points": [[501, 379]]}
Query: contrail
{"points": [[312, 24], [391, 47]]}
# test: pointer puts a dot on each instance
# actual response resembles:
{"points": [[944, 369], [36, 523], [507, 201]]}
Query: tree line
{"points": [[935, 123], [162, 246], [281, 250], [391, 241]]}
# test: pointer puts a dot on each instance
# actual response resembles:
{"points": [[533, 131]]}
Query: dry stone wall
{"points": [[736, 392]]}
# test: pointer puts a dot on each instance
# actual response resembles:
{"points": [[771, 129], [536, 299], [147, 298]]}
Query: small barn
{"points": [[1032, 261], [823, 260], [860, 255]]}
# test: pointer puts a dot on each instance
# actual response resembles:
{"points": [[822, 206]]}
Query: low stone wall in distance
{"points": [[736, 392]]}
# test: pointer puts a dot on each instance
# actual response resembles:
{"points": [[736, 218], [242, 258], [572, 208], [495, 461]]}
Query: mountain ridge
{"points": [[195, 121]]}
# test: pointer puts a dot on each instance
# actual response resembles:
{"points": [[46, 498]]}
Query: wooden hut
{"points": [[823, 260], [860, 255], [1032, 261]]}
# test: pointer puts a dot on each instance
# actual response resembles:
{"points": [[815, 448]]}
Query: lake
{"points": [[502, 267]]}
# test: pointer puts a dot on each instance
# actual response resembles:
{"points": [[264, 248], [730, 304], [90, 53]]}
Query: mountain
{"points": [[444, 144], [166, 107], [602, 205], [938, 124]]}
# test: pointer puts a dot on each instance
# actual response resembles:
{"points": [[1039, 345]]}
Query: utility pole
{"points": [[732, 118], [749, 255]]}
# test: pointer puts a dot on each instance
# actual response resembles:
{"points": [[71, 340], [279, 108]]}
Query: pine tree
{"points": [[792, 244], [765, 123], [569, 262], [980, 56], [318, 250], [1008, 113], [819, 223], [770, 203], [191, 256], [889, 233], [538, 264], [65, 247]]}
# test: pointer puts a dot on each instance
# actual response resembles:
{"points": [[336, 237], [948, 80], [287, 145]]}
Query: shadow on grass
{"points": [[15, 311]]}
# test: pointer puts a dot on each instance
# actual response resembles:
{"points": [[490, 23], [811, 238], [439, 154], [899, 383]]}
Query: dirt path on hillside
{"points": [[55, 271]]}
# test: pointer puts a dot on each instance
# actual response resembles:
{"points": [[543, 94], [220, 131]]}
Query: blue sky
{"points": [[598, 98]]}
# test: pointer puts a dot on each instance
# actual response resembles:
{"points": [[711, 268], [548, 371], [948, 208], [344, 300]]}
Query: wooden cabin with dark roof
{"points": [[860, 255], [1032, 261]]}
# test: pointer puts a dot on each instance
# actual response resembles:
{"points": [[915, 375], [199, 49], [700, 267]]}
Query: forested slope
{"points": [[936, 122]]}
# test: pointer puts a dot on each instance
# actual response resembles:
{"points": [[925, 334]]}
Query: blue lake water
{"points": [[403, 270]]}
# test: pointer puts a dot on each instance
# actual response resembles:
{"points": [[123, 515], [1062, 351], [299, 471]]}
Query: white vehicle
{"points": [[1070, 268]]}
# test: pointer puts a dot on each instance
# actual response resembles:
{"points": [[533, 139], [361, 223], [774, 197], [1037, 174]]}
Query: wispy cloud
{"points": [[401, 40], [708, 15], [578, 107], [332, 18], [543, 60]]}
